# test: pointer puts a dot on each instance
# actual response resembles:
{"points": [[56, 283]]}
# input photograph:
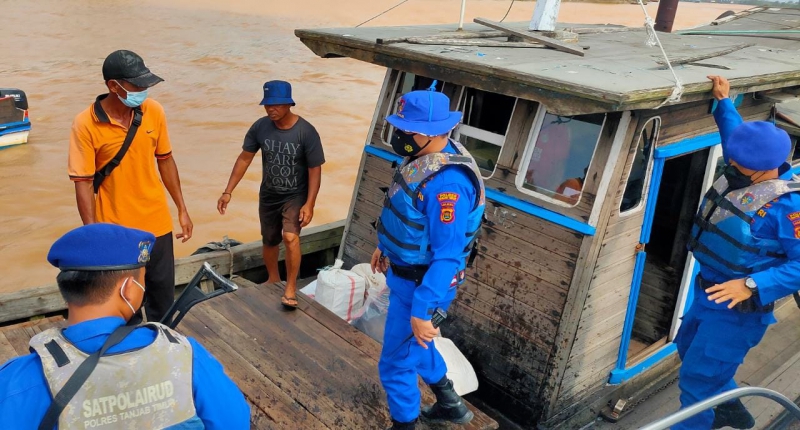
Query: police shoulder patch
{"points": [[447, 203]]}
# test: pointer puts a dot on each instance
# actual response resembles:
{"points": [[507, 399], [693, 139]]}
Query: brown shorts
{"points": [[279, 218]]}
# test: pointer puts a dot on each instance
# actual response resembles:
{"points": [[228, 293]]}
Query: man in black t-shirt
{"points": [[292, 157]]}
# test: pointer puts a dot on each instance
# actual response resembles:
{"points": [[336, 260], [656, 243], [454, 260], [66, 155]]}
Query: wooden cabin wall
{"points": [[596, 346], [694, 119]]}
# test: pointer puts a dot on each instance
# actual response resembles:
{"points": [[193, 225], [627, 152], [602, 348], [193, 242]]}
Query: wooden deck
{"points": [[773, 364], [305, 369]]}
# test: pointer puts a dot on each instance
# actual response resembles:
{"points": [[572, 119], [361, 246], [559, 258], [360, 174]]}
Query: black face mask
{"points": [[404, 144], [736, 179]]}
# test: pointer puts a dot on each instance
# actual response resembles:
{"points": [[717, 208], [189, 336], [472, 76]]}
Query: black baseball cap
{"points": [[128, 66]]}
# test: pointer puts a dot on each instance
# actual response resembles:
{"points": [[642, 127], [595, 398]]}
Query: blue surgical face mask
{"points": [[133, 99]]}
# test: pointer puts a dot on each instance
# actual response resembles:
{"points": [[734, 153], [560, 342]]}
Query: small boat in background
{"points": [[14, 122]]}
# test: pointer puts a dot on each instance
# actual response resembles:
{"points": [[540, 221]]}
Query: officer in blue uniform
{"points": [[426, 231], [156, 377], [746, 239]]}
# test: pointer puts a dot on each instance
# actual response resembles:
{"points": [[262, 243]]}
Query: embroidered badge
{"points": [[400, 105], [797, 232], [794, 217], [442, 197], [448, 214], [748, 198], [144, 251]]}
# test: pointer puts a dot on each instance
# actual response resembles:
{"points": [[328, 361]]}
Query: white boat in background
{"points": [[15, 124]]}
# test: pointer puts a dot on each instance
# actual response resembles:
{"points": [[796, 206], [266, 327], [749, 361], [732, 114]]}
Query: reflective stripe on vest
{"points": [[721, 238], [402, 228], [149, 387]]}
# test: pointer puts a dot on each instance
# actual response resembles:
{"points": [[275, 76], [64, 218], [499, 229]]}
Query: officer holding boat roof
{"points": [[426, 231], [746, 238], [146, 376]]}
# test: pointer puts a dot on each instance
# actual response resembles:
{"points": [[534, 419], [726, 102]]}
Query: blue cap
{"points": [[758, 145], [101, 246], [277, 93], [425, 112]]}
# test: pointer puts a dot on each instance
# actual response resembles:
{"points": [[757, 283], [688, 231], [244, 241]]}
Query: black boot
{"points": [[397, 425], [448, 406], [733, 414]]}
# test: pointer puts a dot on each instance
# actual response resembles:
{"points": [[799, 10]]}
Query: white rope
{"points": [[653, 40]]}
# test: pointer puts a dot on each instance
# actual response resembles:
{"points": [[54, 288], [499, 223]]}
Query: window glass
{"points": [[634, 188], [557, 164], [484, 126]]}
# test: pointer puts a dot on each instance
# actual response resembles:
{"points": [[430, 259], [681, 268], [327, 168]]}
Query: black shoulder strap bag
{"points": [[76, 381], [106, 170]]}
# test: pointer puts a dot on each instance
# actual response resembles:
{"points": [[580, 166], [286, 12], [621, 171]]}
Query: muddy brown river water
{"points": [[214, 57]]}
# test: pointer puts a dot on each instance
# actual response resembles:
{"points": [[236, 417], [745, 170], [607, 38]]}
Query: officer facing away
{"points": [[746, 238], [431, 215], [153, 378]]}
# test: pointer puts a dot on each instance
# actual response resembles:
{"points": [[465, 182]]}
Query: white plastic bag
{"points": [[459, 370], [341, 291], [310, 290], [371, 319]]}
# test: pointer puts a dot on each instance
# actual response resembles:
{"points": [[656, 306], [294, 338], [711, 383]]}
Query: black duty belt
{"points": [[748, 306], [410, 273]]}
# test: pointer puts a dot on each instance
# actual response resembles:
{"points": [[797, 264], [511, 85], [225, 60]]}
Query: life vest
{"points": [[721, 237], [147, 388], [402, 228]]}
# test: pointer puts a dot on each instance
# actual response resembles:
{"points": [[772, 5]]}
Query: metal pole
{"points": [[696, 408], [666, 15], [461, 20]]}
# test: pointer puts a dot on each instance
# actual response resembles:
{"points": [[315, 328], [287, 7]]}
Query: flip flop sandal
{"points": [[286, 302]]}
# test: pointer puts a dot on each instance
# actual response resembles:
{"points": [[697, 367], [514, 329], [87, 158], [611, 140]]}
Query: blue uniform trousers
{"points": [[712, 344], [401, 361]]}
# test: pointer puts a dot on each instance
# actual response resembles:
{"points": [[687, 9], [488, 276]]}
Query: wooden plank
{"points": [[7, 351], [283, 353], [516, 284], [546, 41], [46, 299], [272, 408]]}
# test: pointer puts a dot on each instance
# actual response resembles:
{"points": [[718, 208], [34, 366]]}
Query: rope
{"points": [[653, 40], [509, 10], [387, 10]]}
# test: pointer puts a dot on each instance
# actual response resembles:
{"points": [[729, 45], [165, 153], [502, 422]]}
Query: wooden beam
{"points": [[695, 58], [546, 41], [46, 299], [465, 35]]}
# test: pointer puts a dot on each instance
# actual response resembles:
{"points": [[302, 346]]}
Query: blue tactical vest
{"points": [[721, 238], [402, 228]]}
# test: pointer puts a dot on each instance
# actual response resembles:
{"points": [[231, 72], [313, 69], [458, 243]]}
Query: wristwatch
{"points": [[750, 283]]}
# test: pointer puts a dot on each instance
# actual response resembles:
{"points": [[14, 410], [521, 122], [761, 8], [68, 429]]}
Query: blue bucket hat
{"points": [[277, 93], [758, 145], [424, 112], [101, 246]]}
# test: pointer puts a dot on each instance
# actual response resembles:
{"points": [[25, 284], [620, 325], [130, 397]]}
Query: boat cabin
{"points": [[592, 182]]}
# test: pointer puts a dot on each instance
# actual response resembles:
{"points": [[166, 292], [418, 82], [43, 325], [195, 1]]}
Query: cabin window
{"points": [[556, 164], [637, 177], [483, 129], [406, 82]]}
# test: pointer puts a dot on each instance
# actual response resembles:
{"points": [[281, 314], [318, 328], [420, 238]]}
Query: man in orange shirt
{"points": [[132, 194]]}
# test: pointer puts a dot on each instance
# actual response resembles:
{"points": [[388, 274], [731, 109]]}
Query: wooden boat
{"points": [[593, 179], [582, 273], [14, 122]]}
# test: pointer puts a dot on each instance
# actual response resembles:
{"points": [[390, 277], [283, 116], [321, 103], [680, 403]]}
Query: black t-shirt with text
{"points": [[286, 156]]}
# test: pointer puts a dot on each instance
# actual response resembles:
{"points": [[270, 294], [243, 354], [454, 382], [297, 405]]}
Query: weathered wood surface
{"points": [[41, 300], [774, 363], [305, 369], [618, 73], [316, 363]]}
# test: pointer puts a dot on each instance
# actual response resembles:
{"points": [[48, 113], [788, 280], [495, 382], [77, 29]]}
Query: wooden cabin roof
{"points": [[617, 72]]}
